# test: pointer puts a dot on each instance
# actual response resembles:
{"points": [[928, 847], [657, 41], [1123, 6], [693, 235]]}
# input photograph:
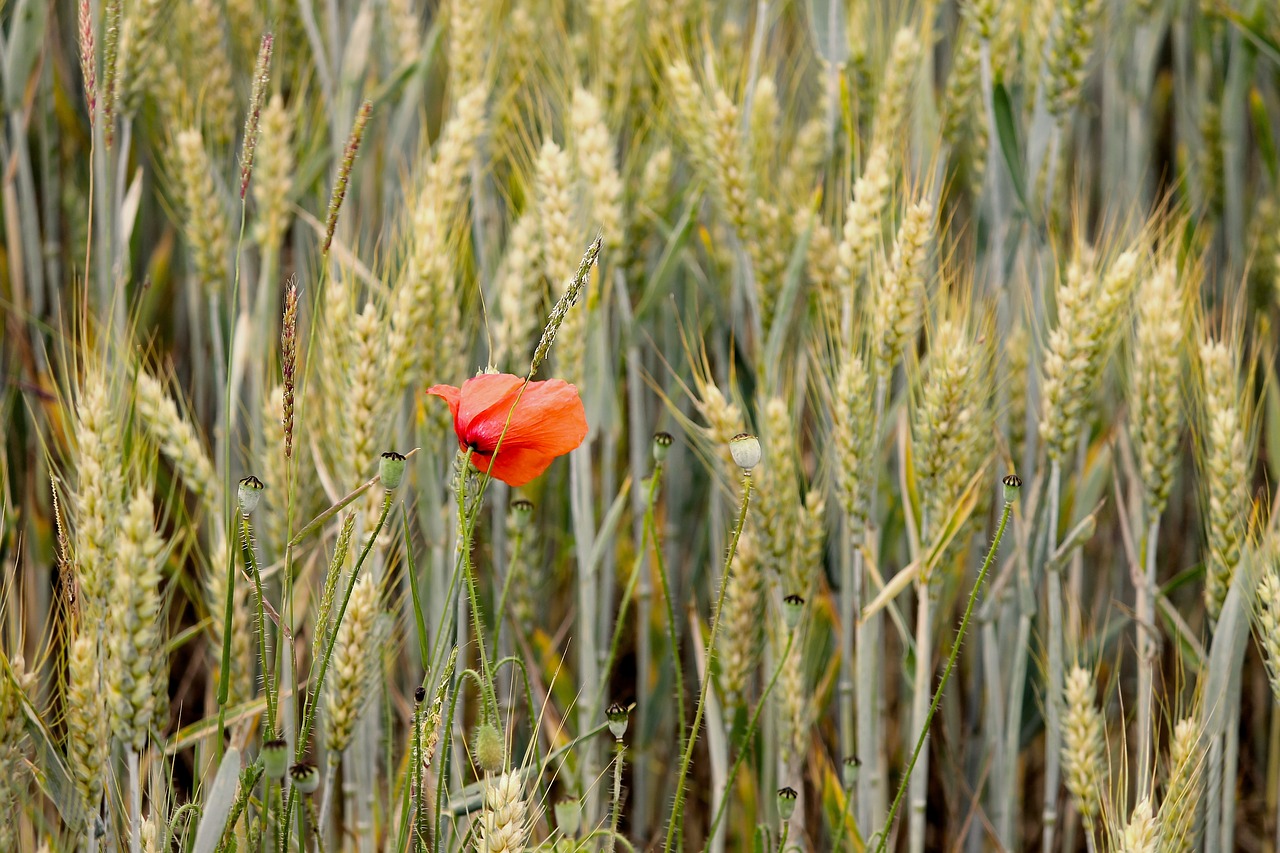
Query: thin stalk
{"points": [[615, 808], [919, 709], [224, 672], [1053, 685], [620, 623], [251, 563], [308, 718], [745, 740], [588, 589], [946, 674], [135, 803], [867, 662], [636, 420], [465, 528], [849, 605], [676, 809], [330, 771], [1145, 622], [672, 637]]}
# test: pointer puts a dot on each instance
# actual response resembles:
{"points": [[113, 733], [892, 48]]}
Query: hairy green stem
{"points": [[946, 674], [687, 759], [744, 742]]}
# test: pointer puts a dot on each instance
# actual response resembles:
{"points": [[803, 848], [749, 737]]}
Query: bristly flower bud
{"points": [[275, 758], [618, 717], [849, 772], [569, 816], [1012, 483], [787, 802], [488, 748], [305, 777], [391, 470], [249, 494], [792, 608], [662, 442], [745, 449]]}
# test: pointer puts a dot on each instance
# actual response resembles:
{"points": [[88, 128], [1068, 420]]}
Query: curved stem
{"points": [[251, 562], [746, 738], [706, 677], [308, 718], [466, 522], [946, 674]]}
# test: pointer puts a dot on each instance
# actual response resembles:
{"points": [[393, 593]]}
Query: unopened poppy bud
{"points": [[792, 607], [745, 450], [391, 469], [1012, 483], [662, 442], [849, 771], [618, 718], [787, 802], [488, 748], [248, 495], [569, 815], [305, 777], [275, 758]]}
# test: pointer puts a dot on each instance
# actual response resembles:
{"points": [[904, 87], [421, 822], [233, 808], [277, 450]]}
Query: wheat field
{"points": [[623, 425]]}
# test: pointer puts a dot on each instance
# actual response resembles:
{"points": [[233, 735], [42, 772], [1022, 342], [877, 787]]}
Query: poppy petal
{"points": [[543, 420], [448, 393], [515, 466], [549, 417], [482, 396]]}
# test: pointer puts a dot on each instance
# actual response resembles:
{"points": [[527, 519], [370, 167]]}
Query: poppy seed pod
{"points": [[1012, 483], [662, 442], [618, 718], [249, 494], [569, 816], [391, 469], [522, 511], [275, 758], [745, 450], [787, 802], [305, 777], [849, 771], [792, 608]]}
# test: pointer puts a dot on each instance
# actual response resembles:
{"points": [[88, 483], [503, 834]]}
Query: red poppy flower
{"points": [[549, 421]]}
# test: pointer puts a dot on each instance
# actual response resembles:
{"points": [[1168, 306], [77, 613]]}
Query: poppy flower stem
{"points": [[309, 717], [687, 759], [946, 674], [466, 527]]}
